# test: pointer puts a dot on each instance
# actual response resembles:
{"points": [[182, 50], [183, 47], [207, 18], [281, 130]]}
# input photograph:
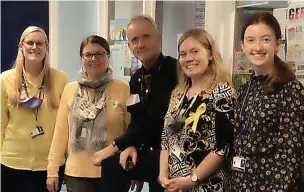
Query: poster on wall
{"points": [[200, 14], [295, 38], [239, 79], [240, 64], [118, 31], [281, 15], [123, 61], [241, 70]]}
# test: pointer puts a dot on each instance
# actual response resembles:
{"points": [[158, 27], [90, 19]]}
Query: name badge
{"points": [[239, 164], [83, 133], [37, 131], [178, 153], [133, 99]]}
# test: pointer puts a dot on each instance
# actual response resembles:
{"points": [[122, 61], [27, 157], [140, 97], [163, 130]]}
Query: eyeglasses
{"points": [[39, 44], [98, 55]]}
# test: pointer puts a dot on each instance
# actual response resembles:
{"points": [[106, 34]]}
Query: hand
{"points": [[128, 152], [139, 185], [52, 184], [179, 184], [163, 180], [103, 154]]}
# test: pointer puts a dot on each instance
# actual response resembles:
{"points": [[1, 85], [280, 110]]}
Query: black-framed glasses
{"points": [[98, 55]]}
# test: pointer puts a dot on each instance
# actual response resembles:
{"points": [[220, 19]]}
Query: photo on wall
{"points": [[240, 64], [124, 63], [239, 79]]}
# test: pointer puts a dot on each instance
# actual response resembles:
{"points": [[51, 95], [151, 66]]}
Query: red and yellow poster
{"points": [[295, 38]]}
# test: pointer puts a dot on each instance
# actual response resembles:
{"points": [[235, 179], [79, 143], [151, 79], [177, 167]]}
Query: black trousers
{"points": [[82, 184], [115, 179], [15, 180]]}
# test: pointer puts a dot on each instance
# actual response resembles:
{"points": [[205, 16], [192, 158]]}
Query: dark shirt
{"points": [[269, 135], [154, 88]]}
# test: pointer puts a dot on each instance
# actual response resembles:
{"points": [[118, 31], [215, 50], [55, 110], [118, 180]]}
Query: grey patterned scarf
{"points": [[87, 118]]}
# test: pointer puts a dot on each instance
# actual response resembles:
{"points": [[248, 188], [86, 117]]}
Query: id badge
{"points": [[37, 131], [132, 100], [239, 164], [178, 153], [83, 133]]}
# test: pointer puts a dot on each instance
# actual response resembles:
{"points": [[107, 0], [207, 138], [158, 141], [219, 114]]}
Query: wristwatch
{"points": [[194, 177], [115, 146]]}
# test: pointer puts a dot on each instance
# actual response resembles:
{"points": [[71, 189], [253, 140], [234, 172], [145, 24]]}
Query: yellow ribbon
{"points": [[194, 117]]}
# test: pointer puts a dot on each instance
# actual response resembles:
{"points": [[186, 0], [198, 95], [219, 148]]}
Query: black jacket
{"points": [[147, 116]]}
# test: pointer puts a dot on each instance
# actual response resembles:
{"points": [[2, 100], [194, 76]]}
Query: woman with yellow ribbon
{"points": [[197, 133]]}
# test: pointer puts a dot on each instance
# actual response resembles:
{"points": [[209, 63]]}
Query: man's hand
{"points": [[128, 152], [138, 184], [52, 184], [103, 154]]}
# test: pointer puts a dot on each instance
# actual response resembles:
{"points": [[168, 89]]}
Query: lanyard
{"points": [[246, 127], [28, 96], [26, 90], [144, 90], [182, 112]]}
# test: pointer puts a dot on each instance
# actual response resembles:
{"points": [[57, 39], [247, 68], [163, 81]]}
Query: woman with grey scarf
{"points": [[92, 113]]}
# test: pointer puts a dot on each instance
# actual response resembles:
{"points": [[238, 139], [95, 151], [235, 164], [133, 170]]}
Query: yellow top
{"points": [[80, 163], [18, 149]]}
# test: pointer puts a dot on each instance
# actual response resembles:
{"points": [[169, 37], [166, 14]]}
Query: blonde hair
{"points": [[19, 64], [216, 71], [143, 17]]}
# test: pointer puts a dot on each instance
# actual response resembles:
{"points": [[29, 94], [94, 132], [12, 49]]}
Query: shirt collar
{"points": [[156, 67]]}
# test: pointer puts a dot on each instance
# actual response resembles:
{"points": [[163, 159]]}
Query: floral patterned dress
{"points": [[269, 135], [207, 128]]}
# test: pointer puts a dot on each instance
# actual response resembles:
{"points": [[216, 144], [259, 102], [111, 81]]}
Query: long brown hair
{"points": [[19, 64], [282, 72], [216, 71]]}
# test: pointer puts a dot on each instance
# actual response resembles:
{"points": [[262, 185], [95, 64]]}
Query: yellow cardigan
{"points": [[18, 149], [80, 164]]}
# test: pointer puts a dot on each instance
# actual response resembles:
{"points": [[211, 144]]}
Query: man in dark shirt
{"points": [[150, 88]]}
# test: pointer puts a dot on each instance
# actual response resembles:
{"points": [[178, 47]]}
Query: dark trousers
{"points": [[14, 180], [82, 184], [115, 179]]}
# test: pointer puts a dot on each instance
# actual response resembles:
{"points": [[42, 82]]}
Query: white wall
{"points": [[178, 16], [219, 23], [72, 27], [127, 9], [91, 17], [70, 22]]}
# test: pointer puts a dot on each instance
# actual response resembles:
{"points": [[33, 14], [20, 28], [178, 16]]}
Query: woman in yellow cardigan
{"points": [[92, 113], [30, 96]]}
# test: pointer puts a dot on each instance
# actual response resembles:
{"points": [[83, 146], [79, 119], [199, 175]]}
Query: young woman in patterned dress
{"points": [[198, 132], [269, 123]]}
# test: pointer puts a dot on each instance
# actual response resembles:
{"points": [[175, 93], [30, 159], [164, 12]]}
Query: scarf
{"points": [[87, 118]]}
